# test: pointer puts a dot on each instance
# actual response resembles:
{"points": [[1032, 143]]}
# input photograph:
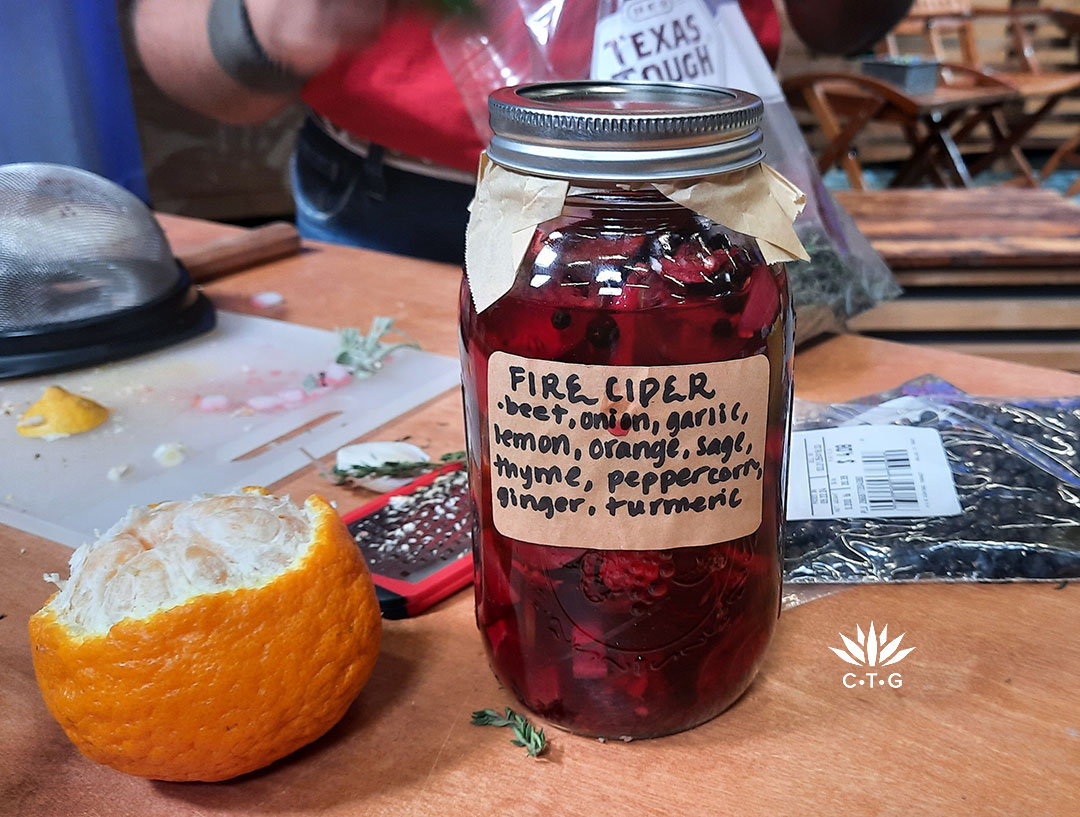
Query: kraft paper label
{"points": [[626, 457]]}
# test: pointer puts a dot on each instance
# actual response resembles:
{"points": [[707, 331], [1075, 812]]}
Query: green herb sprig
{"points": [[525, 734], [348, 476], [363, 354]]}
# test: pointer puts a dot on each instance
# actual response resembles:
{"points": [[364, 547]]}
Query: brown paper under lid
{"points": [[758, 202], [503, 217], [508, 207]]}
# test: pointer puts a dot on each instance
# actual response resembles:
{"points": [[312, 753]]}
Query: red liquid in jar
{"points": [[630, 643]]}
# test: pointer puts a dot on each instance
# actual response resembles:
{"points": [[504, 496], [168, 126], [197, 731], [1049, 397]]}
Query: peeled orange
{"points": [[200, 640]]}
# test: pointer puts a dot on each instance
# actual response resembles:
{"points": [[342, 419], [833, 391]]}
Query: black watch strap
{"points": [[238, 52]]}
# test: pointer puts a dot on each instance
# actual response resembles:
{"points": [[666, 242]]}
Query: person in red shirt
{"points": [[388, 156]]}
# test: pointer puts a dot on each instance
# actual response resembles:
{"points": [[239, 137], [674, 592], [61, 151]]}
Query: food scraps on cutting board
{"points": [[359, 355], [58, 413]]}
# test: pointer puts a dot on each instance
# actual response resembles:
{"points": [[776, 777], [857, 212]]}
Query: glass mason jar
{"points": [[627, 410]]}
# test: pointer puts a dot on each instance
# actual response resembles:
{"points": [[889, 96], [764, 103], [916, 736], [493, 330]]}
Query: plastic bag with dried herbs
{"points": [[700, 41], [1016, 466]]}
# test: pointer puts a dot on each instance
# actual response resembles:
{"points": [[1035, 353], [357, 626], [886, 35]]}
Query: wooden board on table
{"points": [[969, 229], [1052, 353], [951, 313], [1024, 328], [988, 277], [978, 266]]}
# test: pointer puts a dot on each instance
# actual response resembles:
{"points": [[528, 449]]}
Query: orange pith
{"points": [[225, 682]]}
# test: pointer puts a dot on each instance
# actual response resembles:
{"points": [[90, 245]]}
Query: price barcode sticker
{"points": [[869, 471]]}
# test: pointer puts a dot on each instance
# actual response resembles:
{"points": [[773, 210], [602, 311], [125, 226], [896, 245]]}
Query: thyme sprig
{"points": [[525, 734], [348, 476]]}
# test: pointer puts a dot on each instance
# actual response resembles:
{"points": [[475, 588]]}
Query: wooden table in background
{"points": [[845, 103], [989, 271], [986, 721]]}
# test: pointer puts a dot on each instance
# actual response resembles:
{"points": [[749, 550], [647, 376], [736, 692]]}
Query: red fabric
{"points": [[763, 19], [398, 93]]}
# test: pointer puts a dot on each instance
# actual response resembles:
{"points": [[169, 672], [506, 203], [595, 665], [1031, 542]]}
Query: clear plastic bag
{"points": [[703, 41], [1016, 466]]}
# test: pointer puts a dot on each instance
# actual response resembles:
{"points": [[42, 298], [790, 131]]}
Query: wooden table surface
{"points": [[987, 720], [943, 99], [962, 230], [986, 271]]}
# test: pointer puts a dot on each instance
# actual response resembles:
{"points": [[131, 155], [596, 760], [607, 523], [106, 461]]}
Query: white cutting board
{"points": [[59, 489]]}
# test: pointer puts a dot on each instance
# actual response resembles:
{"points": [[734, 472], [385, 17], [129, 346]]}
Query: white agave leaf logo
{"points": [[872, 649]]}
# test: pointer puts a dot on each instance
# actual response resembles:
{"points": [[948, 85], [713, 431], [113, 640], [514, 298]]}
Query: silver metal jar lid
{"points": [[624, 131]]}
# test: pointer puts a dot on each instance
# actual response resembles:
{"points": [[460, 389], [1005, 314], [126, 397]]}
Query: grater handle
{"points": [[234, 253]]}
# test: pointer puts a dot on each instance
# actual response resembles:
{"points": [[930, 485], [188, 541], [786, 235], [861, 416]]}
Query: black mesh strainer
{"points": [[86, 274]]}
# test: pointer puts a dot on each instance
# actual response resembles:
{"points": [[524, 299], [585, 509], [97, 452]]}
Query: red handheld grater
{"points": [[417, 541]]}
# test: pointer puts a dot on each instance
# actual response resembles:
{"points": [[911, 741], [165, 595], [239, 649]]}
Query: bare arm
{"points": [[303, 35]]}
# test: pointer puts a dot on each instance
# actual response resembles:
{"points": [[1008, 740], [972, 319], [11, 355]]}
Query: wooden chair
{"points": [[935, 20], [1069, 151], [845, 103]]}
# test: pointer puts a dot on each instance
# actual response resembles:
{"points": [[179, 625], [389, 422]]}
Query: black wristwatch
{"points": [[238, 51]]}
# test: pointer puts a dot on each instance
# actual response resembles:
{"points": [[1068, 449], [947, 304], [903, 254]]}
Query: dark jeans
{"points": [[347, 199]]}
